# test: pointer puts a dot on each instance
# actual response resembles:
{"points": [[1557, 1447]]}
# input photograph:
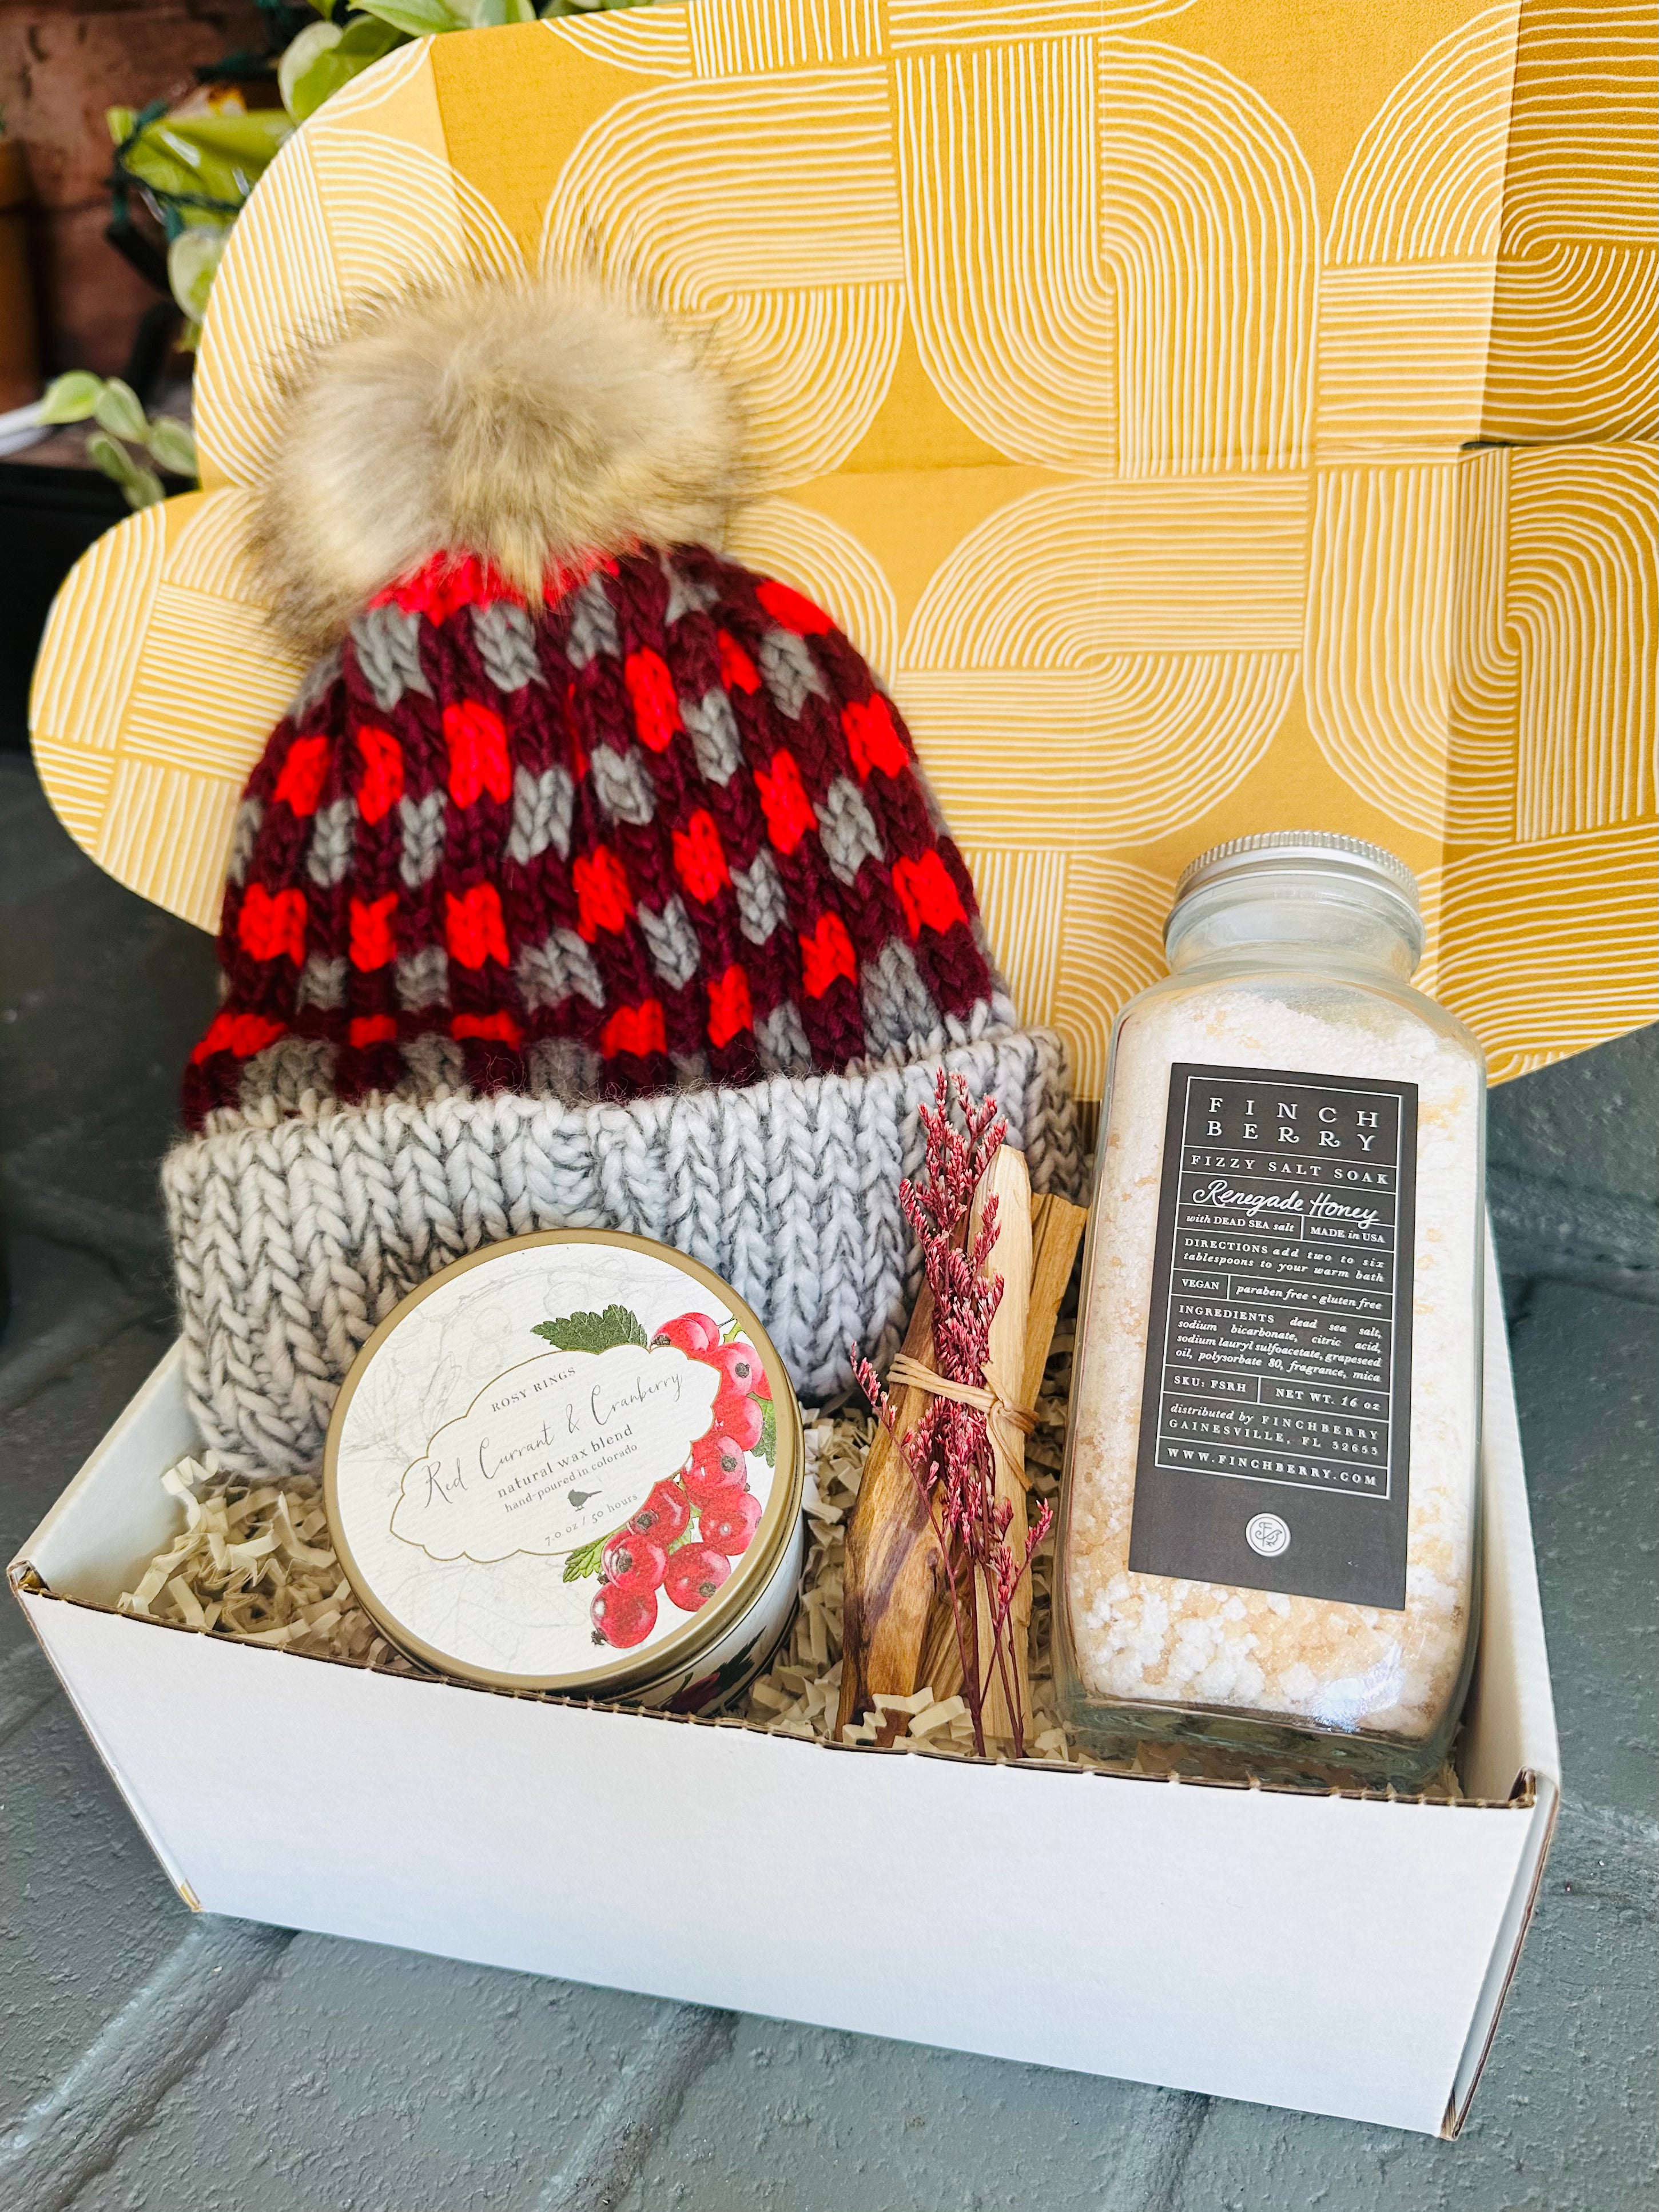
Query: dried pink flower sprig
{"points": [[948, 1452]]}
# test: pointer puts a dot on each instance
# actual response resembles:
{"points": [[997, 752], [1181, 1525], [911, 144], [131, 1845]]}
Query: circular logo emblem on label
{"points": [[1269, 1535]]}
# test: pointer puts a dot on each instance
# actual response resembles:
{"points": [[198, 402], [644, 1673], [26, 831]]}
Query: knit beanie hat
{"points": [[590, 881]]}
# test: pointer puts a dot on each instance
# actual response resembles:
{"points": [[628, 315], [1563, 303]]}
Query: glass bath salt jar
{"points": [[1269, 1523]]}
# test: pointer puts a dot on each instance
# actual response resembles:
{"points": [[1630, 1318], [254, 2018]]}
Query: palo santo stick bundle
{"points": [[898, 1634], [894, 1569], [1008, 1698], [1057, 1229]]}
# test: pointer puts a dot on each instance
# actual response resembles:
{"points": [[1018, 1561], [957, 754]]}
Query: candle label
{"points": [[559, 1455], [1275, 1427], [556, 1452]]}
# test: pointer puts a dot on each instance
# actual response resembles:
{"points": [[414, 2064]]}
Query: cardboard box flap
{"points": [[1511, 1726], [89, 1542], [1116, 369], [1511, 1730]]}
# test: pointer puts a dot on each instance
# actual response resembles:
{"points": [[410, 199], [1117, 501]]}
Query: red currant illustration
{"points": [[741, 1365], [694, 1334], [730, 1524], [718, 1469], [695, 1573], [633, 1562], [738, 1416], [622, 1617], [665, 1514]]}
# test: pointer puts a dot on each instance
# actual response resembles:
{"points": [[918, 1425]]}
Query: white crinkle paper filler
{"points": [[252, 1562]]}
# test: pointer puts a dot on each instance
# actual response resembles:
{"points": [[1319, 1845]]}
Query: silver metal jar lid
{"points": [[1314, 852]]}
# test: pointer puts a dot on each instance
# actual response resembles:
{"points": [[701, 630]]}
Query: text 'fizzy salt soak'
{"points": [[572, 1462], [1269, 1525]]}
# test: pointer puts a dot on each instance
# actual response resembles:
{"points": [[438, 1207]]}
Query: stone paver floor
{"points": [[152, 2062]]}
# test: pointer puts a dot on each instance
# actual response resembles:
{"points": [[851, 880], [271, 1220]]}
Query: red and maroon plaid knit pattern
{"points": [[668, 829]]}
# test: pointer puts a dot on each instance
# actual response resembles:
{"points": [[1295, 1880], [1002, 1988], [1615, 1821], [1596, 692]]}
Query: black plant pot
{"points": [[48, 518]]}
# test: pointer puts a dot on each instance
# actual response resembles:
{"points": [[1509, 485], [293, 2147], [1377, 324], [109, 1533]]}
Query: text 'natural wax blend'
{"points": [[1268, 1530]]}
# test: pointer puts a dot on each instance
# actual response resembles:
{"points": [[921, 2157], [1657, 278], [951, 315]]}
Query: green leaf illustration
{"points": [[767, 1449], [592, 1332], [580, 1564]]}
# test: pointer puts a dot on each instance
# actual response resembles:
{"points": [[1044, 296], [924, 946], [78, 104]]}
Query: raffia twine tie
{"points": [[1009, 1423]]}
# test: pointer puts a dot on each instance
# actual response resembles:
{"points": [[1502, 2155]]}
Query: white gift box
{"points": [[1339, 1954]]}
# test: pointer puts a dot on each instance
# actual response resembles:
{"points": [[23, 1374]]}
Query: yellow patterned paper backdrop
{"points": [[1208, 418]]}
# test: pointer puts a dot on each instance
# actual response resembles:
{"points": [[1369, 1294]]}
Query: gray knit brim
{"points": [[296, 1237]]}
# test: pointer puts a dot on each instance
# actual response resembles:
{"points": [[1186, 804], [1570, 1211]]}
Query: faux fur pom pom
{"points": [[531, 423]]}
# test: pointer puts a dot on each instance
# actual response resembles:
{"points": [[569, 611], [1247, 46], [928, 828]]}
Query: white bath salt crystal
{"points": [[1271, 1508]]}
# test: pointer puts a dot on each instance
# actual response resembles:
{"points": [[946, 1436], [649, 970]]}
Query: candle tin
{"points": [[572, 1462]]}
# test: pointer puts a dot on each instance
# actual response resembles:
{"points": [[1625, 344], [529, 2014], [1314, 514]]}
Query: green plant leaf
{"points": [[325, 76], [114, 461], [119, 410], [193, 261], [71, 398], [358, 47], [767, 1449], [172, 445], [298, 55], [491, 14], [215, 159], [580, 1564], [365, 40], [592, 1332], [417, 17], [141, 487]]}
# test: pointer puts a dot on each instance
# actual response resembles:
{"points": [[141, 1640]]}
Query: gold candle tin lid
{"points": [[557, 1466]]}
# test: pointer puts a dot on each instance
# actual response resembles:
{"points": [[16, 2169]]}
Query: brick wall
{"points": [[62, 64]]}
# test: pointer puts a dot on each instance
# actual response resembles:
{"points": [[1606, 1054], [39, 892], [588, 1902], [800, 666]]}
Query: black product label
{"points": [[1275, 1431]]}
